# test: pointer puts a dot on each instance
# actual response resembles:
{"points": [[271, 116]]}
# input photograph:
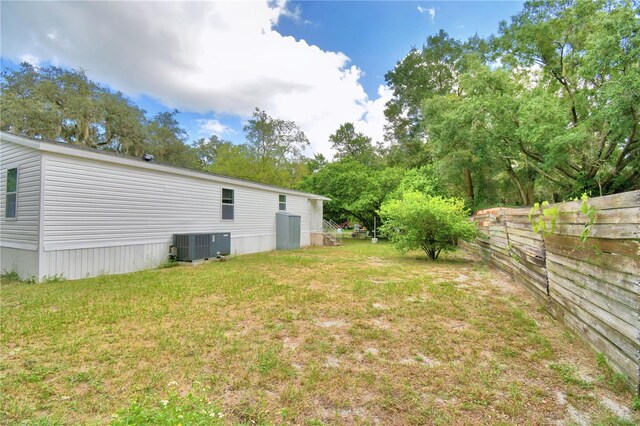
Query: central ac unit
{"points": [[190, 247]]}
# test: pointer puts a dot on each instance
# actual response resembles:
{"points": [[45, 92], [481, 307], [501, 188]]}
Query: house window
{"points": [[11, 206], [282, 202], [227, 204]]}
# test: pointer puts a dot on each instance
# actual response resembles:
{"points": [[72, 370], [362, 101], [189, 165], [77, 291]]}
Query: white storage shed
{"points": [[77, 212]]}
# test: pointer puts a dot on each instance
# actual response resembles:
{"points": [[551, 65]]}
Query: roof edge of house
{"points": [[63, 148]]}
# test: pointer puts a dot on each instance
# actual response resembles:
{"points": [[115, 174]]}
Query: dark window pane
{"points": [[227, 196], [227, 212], [12, 180], [10, 211]]}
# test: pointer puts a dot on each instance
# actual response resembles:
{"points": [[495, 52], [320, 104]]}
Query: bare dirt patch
{"points": [[380, 323], [332, 323], [332, 362], [616, 408], [376, 261], [462, 278], [456, 325]]}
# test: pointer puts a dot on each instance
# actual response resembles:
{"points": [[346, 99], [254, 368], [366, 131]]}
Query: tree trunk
{"points": [[530, 194], [469, 184], [524, 193]]}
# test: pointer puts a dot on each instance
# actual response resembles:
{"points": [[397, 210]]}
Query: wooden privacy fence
{"points": [[593, 286]]}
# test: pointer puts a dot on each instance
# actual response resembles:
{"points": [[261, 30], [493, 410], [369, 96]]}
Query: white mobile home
{"points": [[78, 212]]}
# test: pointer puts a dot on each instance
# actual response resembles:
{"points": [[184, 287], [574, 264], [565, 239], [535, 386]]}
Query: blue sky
{"points": [[376, 34], [318, 63]]}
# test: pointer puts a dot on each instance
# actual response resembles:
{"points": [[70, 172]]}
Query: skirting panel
{"points": [[92, 262], [22, 262]]}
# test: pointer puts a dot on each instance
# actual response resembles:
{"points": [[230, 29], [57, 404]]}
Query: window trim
{"points": [[7, 193], [223, 203], [281, 203]]}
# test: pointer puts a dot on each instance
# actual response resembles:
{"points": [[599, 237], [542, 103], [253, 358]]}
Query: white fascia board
{"points": [[19, 140]]}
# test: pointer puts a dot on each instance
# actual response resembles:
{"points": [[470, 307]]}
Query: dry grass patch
{"points": [[336, 335]]}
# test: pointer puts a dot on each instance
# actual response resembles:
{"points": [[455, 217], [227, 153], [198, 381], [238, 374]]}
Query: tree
{"points": [[430, 223], [207, 149], [49, 102], [316, 163], [235, 160], [423, 73], [351, 144], [355, 189], [272, 155], [588, 92], [277, 147], [423, 179], [546, 109], [125, 125], [430, 74], [167, 141], [274, 139], [474, 137], [66, 106]]}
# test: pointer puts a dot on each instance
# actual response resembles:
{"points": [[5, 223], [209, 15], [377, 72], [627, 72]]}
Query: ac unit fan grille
{"points": [[190, 247]]}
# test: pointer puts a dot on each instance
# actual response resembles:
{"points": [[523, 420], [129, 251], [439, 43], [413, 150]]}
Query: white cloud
{"points": [[205, 57], [33, 60], [212, 126], [431, 11], [374, 120]]}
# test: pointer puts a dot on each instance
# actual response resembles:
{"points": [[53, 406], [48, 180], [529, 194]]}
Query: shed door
{"points": [[294, 232]]}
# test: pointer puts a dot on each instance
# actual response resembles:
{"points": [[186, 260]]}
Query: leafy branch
{"points": [[540, 214], [544, 218], [589, 211]]}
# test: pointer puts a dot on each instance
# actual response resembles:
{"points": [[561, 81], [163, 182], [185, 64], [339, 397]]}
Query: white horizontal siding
{"points": [[92, 204], [301, 206], [315, 214], [21, 232]]}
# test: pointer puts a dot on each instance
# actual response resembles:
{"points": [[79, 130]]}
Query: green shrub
{"points": [[430, 223]]}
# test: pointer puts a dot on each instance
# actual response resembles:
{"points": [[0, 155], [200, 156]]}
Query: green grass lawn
{"points": [[355, 334]]}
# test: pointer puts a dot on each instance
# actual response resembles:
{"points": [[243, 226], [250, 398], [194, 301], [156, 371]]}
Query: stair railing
{"points": [[330, 228]]}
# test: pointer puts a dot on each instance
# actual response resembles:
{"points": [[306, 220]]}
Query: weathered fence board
{"points": [[627, 281], [597, 285], [609, 231], [625, 215], [523, 233], [592, 285], [604, 310], [590, 254], [629, 248], [535, 283], [627, 348], [597, 340]]}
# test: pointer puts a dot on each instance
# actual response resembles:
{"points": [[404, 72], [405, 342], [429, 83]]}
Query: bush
{"points": [[430, 223]]}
